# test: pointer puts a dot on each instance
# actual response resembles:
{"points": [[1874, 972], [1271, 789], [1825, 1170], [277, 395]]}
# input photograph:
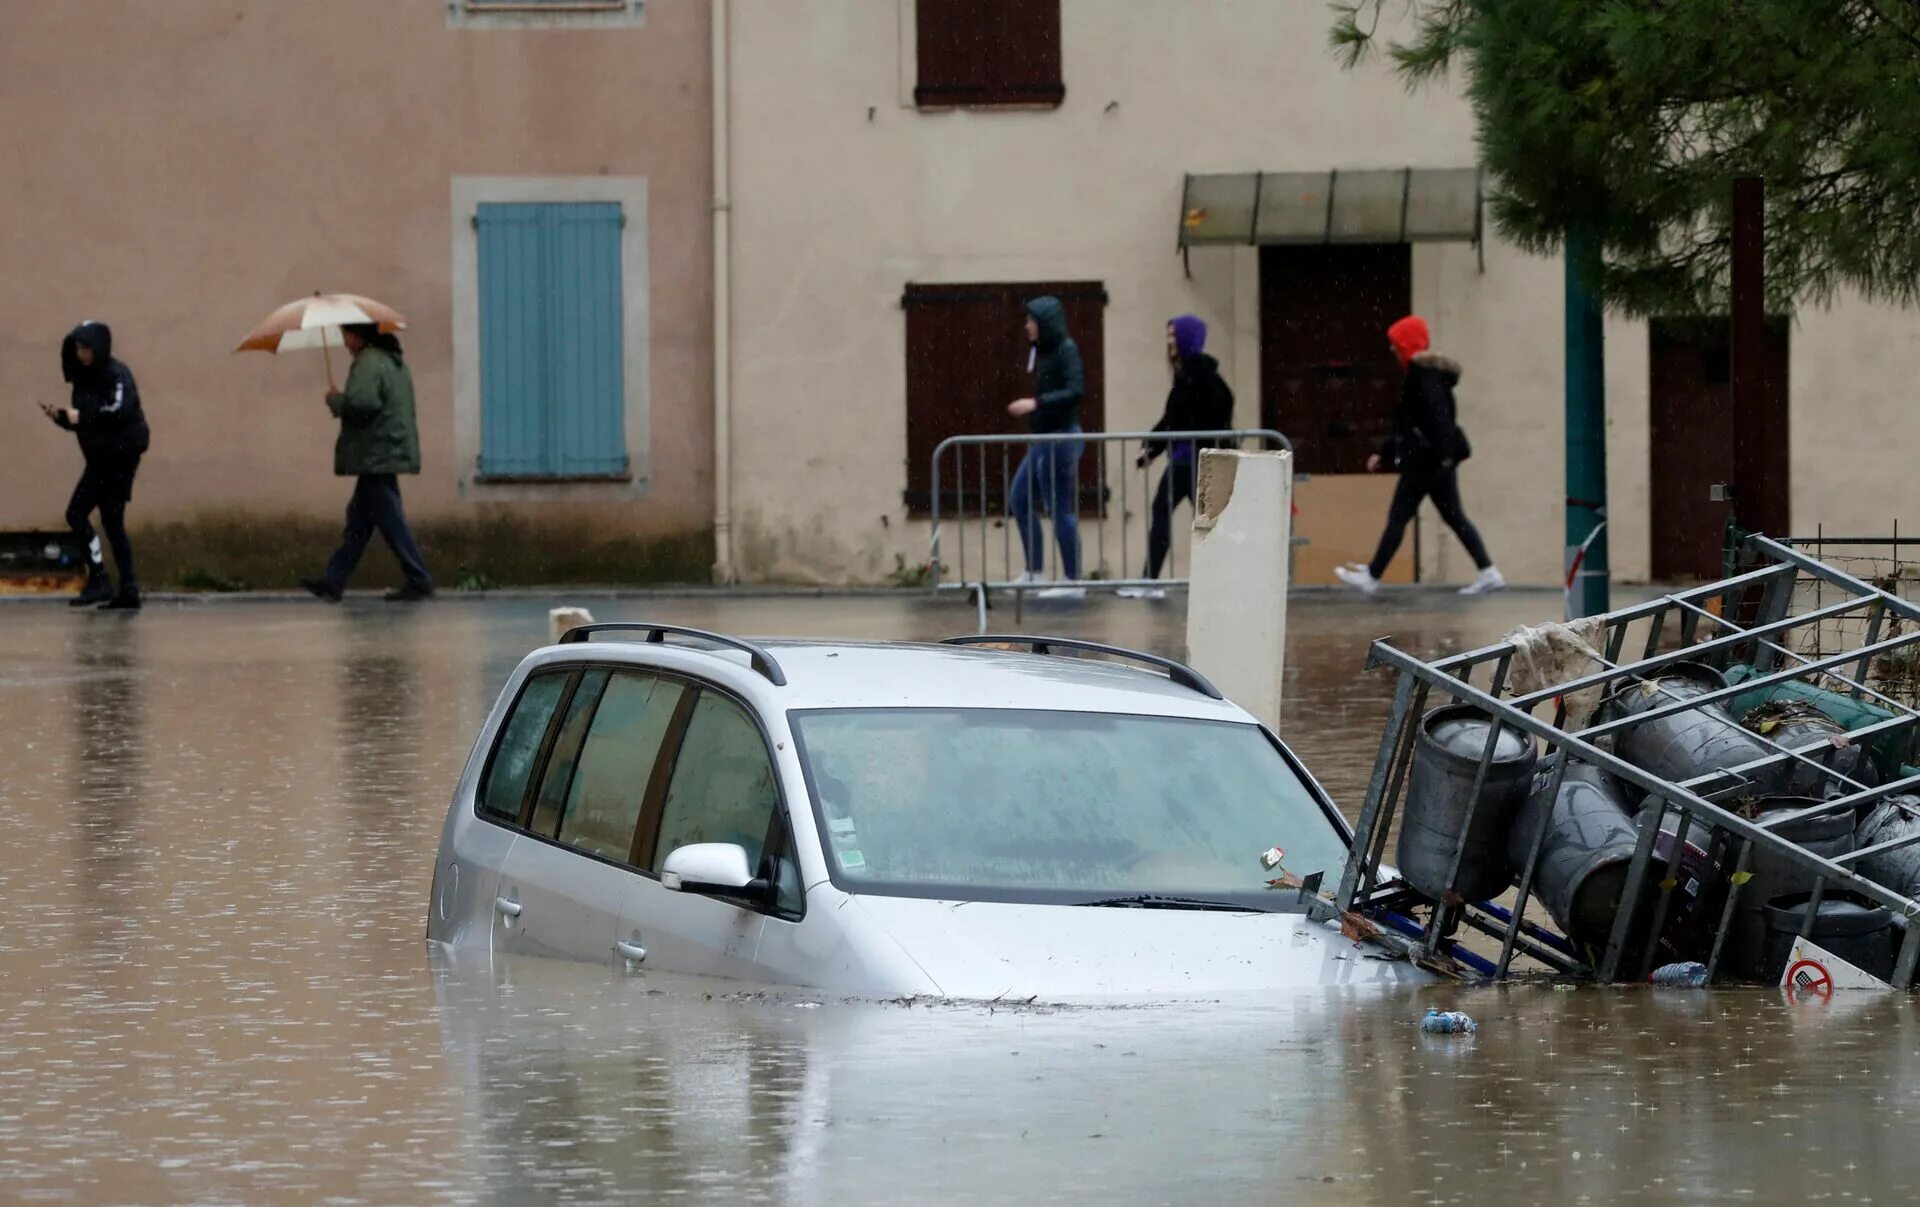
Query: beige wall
{"points": [[844, 193], [179, 167]]}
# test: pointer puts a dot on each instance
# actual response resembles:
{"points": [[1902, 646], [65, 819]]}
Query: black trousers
{"points": [[375, 507], [1176, 487], [1443, 487], [106, 486]]}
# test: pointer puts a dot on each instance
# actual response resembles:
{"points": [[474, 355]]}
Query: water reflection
{"points": [[108, 722]]}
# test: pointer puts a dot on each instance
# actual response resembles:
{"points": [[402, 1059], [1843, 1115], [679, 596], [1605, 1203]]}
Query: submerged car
{"points": [[985, 818]]}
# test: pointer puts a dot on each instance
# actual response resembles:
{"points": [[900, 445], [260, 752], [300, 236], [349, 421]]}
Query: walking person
{"points": [[1051, 469], [1199, 401], [378, 442], [1427, 447], [105, 414]]}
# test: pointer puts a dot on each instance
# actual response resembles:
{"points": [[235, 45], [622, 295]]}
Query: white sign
{"points": [[1813, 973]]}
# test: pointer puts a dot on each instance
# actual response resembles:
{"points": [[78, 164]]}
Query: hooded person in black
{"points": [[1198, 402], [105, 414]]}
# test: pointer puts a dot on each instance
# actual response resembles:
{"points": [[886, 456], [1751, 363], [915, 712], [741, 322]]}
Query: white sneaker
{"points": [[1485, 582], [1142, 593], [1061, 593], [1026, 578], [1359, 577]]}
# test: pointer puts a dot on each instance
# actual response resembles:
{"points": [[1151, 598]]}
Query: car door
{"points": [[565, 880], [721, 787]]}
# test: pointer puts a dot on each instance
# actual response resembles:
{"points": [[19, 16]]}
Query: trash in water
{"points": [[1689, 975], [1448, 1022]]}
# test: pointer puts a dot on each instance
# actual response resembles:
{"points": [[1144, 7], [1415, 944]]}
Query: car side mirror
{"points": [[715, 869]]}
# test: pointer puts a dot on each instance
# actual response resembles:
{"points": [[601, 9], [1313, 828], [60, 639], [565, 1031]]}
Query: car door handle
{"points": [[510, 908], [632, 951]]}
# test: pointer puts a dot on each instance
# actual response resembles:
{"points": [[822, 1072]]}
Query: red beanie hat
{"points": [[1409, 338]]}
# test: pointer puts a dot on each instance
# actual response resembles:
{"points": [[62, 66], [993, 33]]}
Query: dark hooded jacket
{"points": [[112, 426], [1199, 401], [1059, 382], [1425, 432]]}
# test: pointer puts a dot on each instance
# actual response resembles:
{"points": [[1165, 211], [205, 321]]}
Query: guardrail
{"points": [[972, 480]]}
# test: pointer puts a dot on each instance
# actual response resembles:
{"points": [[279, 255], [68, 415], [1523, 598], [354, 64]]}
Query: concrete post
{"points": [[1237, 605]]}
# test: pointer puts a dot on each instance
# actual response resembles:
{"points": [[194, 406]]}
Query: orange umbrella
{"points": [[315, 322]]}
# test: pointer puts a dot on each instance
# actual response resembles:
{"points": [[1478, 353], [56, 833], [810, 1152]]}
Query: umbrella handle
{"points": [[327, 352]]}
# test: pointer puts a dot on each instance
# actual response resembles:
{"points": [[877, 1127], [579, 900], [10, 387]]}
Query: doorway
{"points": [[1690, 401]]}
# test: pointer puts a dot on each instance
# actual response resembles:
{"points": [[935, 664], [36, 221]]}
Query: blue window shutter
{"points": [[552, 382]]}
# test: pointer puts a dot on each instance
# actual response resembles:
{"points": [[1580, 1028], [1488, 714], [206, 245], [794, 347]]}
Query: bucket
{"points": [[1590, 840], [1446, 758], [1687, 744], [1774, 876], [1850, 926]]}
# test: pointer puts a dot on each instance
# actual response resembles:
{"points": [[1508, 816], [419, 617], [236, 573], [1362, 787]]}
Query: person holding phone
{"points": [[105, 413]]}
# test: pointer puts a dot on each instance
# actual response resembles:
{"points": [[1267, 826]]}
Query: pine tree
{"points": [[1632, 118]]}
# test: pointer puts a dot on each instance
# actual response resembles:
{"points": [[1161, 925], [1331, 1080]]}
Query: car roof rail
{"points": [[757, 657], [1179, 672]]}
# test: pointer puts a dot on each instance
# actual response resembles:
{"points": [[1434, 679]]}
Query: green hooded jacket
{"points": [[377, 430], [1059, 381]]}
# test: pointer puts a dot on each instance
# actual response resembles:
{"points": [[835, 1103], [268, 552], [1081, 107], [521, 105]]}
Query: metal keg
{"points": [[1683, 745], [1792, 726], [1446, 759], [1898, 869], [1590, 839]]}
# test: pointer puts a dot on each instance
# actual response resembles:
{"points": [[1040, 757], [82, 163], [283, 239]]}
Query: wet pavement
{"points": [[214, 986]]}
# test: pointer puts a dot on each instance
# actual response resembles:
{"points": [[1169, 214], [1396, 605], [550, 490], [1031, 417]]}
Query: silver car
{"points": [[979, 819]]}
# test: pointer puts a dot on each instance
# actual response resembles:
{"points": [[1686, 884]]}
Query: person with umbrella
{"points": [[378, 441], [105, 414]]}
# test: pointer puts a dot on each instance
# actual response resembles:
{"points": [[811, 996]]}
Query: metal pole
{"points": [[1760, 454], [1586, 422]]}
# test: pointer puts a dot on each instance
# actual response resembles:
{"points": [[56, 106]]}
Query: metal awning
{"points": [[1368, 205]]}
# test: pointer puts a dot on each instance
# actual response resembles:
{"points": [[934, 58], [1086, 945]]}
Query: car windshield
{"points": [[1015, 804]]}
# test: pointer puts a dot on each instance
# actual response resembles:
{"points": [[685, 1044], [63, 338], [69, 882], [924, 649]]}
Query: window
{"points": [[1011, 804], [557, 781], [504, 790], [525, 14], [723, 787], [551, 341], [616, 764], [966, 360], [988, 52]]}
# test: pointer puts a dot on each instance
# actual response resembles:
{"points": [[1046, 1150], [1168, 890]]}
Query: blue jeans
{"points": [[1057, 468]]}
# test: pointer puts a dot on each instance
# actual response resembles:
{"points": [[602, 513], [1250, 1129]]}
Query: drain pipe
{"points": [[723, 569]]}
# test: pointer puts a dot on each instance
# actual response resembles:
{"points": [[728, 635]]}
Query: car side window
{"points": [[557, 781], [615, 764], [517, 751], [723, 787]]}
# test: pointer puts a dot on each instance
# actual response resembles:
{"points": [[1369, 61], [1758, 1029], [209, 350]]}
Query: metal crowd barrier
{"points": [[972, 476], [1756, 619]]}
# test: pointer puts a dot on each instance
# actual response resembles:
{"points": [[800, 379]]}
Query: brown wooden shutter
{"points": [[966, 360], [988, 52]]}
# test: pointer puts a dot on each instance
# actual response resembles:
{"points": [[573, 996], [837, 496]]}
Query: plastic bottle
{"points": [[1690, 975], [1448, 1022]]}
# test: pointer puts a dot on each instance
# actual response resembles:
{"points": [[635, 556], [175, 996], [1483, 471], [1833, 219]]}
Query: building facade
{"points": [[904, 171], [528, 183]]}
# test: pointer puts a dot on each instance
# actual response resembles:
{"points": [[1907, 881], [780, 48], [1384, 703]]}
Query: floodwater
{"points": [[214, 986]]}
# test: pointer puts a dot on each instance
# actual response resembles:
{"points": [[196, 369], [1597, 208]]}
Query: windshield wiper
{"points": [[1156, 901]]}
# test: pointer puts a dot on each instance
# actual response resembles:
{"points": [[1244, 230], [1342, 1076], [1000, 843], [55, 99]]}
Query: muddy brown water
{"points": [[214, 987]]}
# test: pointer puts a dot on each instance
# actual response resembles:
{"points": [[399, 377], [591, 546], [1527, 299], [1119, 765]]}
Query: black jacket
{"points": [[1199, 401], [112, 426], [1425, 432], [1059, 381]]}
